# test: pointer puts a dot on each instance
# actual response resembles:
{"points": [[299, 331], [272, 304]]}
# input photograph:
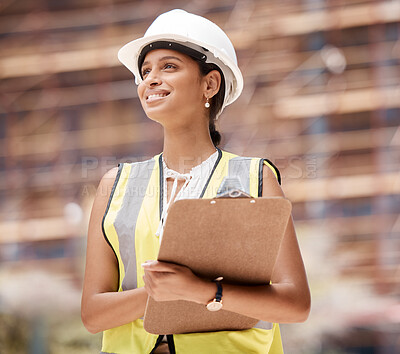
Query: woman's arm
{"points": [[102, 306], [286, 300]]}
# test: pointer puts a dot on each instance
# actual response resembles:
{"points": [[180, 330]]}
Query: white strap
{"points": [[175, 175], [202, 171]]}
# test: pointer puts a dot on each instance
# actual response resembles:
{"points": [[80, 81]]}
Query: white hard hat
{"points": [[193, 34]]}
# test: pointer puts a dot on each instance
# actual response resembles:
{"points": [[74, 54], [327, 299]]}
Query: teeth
{"points": [[157, 95]]}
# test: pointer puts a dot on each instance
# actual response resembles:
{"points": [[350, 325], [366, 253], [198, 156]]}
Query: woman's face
{"points": [[171, 87]]}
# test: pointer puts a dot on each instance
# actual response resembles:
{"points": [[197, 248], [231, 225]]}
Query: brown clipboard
{"points": [[237, 238]]}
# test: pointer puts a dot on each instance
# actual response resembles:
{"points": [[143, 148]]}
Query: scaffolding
{"points": [[321, 100]]}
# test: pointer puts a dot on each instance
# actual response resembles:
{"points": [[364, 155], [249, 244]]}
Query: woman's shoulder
{"points": [[125, 169], [106, 184], [241, 156], [110, 176], [264, 164]]}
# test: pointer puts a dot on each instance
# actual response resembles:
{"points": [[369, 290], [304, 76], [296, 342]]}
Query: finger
{"points": [[157, 266], [148, 278], [153, 284], [148, 262], [147, 285]]}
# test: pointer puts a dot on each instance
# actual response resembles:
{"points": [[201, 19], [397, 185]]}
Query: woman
{"points": [[187, 73]]}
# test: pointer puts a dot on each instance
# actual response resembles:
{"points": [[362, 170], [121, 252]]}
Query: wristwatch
{"points": [[216, 303]]}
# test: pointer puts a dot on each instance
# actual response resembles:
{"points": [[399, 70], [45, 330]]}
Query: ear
{"points": [[212, 83]]}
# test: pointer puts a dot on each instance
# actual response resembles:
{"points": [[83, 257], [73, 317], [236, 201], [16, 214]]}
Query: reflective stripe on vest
{"points": [[129, 226]]}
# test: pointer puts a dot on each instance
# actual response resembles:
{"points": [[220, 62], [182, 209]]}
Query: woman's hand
{"points": [[167, 281]]}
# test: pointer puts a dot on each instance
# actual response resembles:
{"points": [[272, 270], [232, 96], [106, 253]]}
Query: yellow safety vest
{"points": [[129, 226]]}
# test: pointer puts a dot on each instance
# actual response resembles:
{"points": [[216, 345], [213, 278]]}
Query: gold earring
{"points": [[207, 104]]}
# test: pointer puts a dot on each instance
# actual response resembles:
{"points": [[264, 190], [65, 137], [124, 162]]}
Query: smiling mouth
{"points": [[156, 96]]}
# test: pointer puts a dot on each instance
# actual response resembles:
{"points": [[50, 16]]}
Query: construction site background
{"points": [[321, 100]]}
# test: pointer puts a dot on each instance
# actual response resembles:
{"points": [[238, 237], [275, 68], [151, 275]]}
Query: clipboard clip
{"points": [[231, 187]]}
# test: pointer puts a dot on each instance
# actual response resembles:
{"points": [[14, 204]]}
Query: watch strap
{"points": [[218, 295]]}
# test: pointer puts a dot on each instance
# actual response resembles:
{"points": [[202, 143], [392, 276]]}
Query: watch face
{"points": [[214, 306]]}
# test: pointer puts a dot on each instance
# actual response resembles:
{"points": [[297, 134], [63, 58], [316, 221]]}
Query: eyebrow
{"points": [[164, 58]]}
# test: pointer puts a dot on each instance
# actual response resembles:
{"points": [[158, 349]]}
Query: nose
{"points": [[152, 79]]}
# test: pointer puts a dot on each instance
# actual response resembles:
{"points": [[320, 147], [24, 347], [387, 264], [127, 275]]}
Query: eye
{"points": [[169, 66], [145, 72]]}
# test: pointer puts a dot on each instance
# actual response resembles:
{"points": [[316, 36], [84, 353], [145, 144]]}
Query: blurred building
{"points": [[321, 100]]}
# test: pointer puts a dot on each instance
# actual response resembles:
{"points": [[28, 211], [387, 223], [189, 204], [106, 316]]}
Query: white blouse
{"points": [[195, 181]]}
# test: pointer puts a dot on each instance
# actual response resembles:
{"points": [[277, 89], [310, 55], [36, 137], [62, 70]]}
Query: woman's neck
{"points": [[184, 148]]}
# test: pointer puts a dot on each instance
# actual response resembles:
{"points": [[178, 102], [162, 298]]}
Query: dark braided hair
{"points": [[216, 101]]}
